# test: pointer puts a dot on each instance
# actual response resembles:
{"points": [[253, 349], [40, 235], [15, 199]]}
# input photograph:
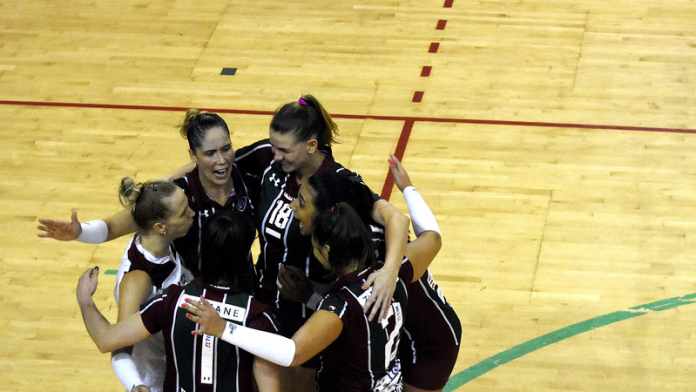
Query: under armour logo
{"points": [[274, 180], [205, 213]]}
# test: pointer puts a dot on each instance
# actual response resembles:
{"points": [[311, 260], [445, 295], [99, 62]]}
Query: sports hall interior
{"points": [[554, 140]]}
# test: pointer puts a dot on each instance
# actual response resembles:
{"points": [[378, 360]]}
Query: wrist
{"points": [[85, 302], [93, 232]]}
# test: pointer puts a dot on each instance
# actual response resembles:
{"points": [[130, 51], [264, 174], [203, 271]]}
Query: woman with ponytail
{"points": [[148, 266], [301, 134], [430, 347]]}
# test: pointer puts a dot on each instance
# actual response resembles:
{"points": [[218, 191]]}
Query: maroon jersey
{"points": [[205, 363], [364, 356], [432, 333], [281, 240], [249, 163]]}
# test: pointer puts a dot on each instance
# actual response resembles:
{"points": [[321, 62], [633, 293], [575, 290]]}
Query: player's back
{"points": [[364, 357], [204, 362]]}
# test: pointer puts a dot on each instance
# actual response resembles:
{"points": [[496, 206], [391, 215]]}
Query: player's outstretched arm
{"points": [[106, 336], [93, 232], [424, 248]]}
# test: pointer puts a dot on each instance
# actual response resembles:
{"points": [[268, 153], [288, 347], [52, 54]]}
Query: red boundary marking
{"points": [[399, 152], [441, 24], [448, 3], [426, 70], [433, 48], [417, 96], [541, 124]]}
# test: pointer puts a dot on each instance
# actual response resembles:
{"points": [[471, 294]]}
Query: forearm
{"points": [[269, 346], [396, 238], [97, 326]]}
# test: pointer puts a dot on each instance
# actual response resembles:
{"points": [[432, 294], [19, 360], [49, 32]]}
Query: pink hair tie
{"points": [[302, 102]]}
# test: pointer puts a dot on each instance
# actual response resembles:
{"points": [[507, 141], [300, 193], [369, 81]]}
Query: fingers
{"points": [[370, 280], [73, 217], [376, 307]]}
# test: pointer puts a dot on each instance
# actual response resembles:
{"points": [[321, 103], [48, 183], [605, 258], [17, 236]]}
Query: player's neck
{"points": [[156, 244], [313, 164]]}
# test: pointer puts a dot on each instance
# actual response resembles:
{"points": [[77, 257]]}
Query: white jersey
{"points": [[149, 356]]}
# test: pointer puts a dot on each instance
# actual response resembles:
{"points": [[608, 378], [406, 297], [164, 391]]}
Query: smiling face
{"points": [[290, 152], [304, 208], [214, 157]]}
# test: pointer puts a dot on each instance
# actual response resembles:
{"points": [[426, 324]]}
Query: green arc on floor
{"points": [[529, 346]]}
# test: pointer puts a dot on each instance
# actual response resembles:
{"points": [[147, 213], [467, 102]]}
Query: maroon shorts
{"points": [[426, 366]]}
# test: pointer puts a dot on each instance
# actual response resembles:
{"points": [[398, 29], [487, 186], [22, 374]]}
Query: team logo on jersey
{"points": [[274, 180], [242, 203]]}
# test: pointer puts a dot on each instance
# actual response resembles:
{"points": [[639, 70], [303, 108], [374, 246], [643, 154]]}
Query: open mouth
{"points": [[221, 173]]}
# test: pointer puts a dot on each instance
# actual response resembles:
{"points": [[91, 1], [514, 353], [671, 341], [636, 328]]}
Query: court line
{"points": [[399, 152], [541, 124], [540, 342]]}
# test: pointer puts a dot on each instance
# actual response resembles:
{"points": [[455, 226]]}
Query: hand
{"points": [[293, 284], [398, 172], [208, 320], [87, 285], [383, 284], [60, 230], [140, 388]]}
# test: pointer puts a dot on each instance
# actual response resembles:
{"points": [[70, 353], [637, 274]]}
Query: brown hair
{"points": [[146, 200], [305, 118]]}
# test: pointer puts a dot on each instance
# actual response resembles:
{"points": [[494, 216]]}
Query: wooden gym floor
{"points": [[554, 141]]}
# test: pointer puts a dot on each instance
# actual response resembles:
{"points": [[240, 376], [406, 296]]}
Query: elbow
{"points": [[105, 346], [433, 239]]}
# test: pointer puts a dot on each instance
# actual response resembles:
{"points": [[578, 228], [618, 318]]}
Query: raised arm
{"points": [[106, 336], [93, 232], [424, 248]]}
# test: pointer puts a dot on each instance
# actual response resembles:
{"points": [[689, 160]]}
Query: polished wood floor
{"points": [[547, 221]]}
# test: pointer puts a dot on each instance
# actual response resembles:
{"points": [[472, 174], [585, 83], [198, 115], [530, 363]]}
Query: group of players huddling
{"points": [[339, 299]]}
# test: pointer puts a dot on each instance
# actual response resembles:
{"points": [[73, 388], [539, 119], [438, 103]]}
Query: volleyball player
{"points": [[149, 265], [433, 331]]}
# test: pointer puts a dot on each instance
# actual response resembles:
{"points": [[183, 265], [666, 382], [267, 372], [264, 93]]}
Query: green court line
{"points": [[527, 347], [111, 272]]}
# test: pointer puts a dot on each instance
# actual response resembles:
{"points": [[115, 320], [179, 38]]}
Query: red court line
{"points": [[399, 152], [361, 116]]}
